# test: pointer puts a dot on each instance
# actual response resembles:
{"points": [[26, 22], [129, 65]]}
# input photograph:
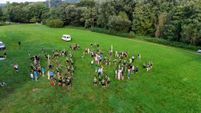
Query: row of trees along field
{"points": [[174, 20]]}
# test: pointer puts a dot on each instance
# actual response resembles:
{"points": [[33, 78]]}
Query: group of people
{"points": [[75, 46], [99, 61], [148, 66], [63, 71], [59, 67], [36, 68], [124, 65], [101, 78], [104, 81]]}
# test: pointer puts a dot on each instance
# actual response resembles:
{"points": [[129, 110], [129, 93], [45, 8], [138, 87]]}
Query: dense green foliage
{"points": [[173, 20], [26, 12], [119, 23]]}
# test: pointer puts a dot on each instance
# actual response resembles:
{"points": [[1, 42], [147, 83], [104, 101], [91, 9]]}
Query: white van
{"points": [[199, 51], [66, 37]]}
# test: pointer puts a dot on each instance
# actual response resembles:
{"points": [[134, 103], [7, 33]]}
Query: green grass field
{"points": [[172, 86]]}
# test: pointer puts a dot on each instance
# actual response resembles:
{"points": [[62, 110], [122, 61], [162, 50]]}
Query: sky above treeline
{"points": [[4, 1]]}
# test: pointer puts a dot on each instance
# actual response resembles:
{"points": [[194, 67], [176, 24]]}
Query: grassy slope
{"points": [[174, 84]]}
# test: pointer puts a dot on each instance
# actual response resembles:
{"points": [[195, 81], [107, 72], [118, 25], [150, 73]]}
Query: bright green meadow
{"points": [[172, 86]]}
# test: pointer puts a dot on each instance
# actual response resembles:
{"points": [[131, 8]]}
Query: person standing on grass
{"points": [[39, 70], [52, 82], [100, 71], [5, 54], [31, 75], [130, 60], [16, 67], [36, 75], [132, 69], [43, 71], [133, 58], [95, 81], [129, 71], [116, 54], [103, 82], [51, 73], [139, 56], [48, 74], [58, 75], [136, 69], [107, 81], [19, 43], [29, 54], [119, 74]]}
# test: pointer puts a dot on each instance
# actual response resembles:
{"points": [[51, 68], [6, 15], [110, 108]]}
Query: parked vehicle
{"points": [[2, 46], [199, 51], [66, 38]]}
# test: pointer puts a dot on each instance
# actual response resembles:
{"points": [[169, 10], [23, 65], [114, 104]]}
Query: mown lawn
{"points": [[172, 86]]}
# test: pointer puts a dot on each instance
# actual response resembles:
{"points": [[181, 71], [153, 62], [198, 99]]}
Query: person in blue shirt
{"points": [[43, 71], [36, 75], [51, 74]]}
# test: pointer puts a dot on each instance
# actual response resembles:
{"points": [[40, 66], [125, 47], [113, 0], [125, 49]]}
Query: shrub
{"points": [[122, 34], [169, 43], [55, 23], [146, 38]]}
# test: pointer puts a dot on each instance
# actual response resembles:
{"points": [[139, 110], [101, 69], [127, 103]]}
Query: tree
{"points": [[143, 20], [172, 29], [105, 10], [37, 11], [191, 26], [159, 25], [119, 23], [18, 12], [89, 15], [69, 14], [126, 6]]}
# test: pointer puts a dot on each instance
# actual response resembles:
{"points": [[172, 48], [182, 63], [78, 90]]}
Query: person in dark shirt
{"points": [[136, 69], [19, 43], [5, 55]]}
